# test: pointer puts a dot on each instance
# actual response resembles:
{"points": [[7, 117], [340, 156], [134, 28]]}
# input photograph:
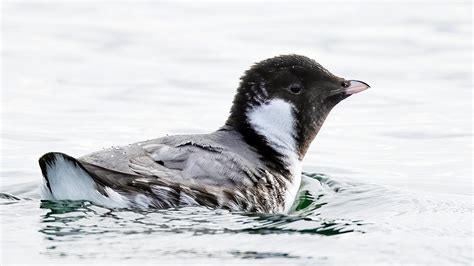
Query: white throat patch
{"points": [[276, 122]]}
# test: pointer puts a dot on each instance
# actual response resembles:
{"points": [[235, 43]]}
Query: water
{"points": [[388, 179]]}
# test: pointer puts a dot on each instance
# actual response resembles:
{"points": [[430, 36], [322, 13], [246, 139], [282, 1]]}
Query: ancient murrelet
{"points": [[252, 163]]}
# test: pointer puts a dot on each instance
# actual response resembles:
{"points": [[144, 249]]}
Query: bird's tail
{"points": [[65, 178]]}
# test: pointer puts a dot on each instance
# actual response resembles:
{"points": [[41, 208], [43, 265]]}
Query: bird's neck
{"points": [[270, 129], [275, 122]]}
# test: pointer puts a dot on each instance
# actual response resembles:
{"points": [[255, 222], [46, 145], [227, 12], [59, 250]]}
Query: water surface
{"points": [[387, 181]]}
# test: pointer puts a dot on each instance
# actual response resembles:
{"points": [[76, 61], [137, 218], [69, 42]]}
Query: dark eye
{"points": [[345, 84], [295, 88]]}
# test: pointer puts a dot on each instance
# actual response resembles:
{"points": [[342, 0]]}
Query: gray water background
{"points": [[393, 164]]}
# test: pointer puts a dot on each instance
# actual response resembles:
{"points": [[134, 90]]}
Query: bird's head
{"points": [[285, 99]]}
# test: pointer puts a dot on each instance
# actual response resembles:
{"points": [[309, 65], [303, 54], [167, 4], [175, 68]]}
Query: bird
{"points": [[253, 163]]}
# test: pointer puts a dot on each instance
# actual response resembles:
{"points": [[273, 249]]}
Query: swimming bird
{"points": [[252, 163]]}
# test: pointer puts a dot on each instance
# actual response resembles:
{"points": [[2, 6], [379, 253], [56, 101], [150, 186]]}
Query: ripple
{"points": [[6, 198], [261, 255]]}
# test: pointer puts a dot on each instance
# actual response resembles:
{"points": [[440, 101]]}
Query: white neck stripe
{"points": [[275, 121]]}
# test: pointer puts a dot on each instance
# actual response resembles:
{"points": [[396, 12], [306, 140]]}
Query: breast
{"points": [[293, 186]]}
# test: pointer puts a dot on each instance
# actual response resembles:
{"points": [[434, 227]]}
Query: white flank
{"points": [[69, 182], [276, 122]]}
